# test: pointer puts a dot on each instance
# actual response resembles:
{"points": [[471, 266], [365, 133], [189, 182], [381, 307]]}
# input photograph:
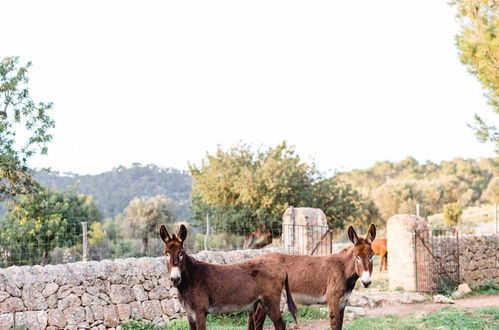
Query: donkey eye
{"points": [[358, 258], [181, 254], [167, 255]]}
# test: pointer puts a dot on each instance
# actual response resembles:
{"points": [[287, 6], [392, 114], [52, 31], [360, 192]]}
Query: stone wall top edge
{"points": [[107, 265]]}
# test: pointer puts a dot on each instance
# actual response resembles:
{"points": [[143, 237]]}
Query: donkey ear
{"points": [[353, 235], [182, 233], [371, 233], [164, 234]]}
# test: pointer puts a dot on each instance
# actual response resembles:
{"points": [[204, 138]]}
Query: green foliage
{"points": [[492, 312], [236, 321], [478, 46], [39, 222], [138, 325], [491, 194], [143, 216], [96, 234], [243, 190], [491, 287], [446, 318], [396, 187], [19, 116], [113, 190], [177, 325], [229, 319], [452, 213], [221, 241], [308, 313]]}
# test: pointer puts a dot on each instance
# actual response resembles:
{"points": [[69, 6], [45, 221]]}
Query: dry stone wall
{"points": [[96, 295], [479, 259]]}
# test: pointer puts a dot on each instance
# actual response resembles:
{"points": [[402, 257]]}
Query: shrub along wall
{"points": [[95, 295]]}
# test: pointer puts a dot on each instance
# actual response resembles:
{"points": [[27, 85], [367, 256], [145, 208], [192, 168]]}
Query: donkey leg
{"points": [[340, 319], [251, 323], [192, 322], [336, 315], [273, 309], [256, 317], [200, 321]]}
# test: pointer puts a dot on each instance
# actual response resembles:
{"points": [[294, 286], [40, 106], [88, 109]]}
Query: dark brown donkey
{"points": [[206, 288], [325, 279]]}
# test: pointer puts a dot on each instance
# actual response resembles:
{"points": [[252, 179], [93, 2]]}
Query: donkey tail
{"points": [[291, 304]]}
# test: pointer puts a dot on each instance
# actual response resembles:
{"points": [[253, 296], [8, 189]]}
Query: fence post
{"points": [[85, 241], [206, 247], [495, 218]]}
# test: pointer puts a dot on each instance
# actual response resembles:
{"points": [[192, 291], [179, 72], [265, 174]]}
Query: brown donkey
{"points": [[325, 279], [206, 288], [379, 248]]}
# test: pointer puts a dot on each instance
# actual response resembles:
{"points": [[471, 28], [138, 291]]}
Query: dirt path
{"points": [[406, 309]]}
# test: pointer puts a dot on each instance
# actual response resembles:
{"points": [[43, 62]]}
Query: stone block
{"points": [[110, 314], [12, 304], [121, 294], [151, 309]]}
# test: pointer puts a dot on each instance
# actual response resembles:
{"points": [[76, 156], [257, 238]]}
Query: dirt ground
{"points": [[406, 309]]}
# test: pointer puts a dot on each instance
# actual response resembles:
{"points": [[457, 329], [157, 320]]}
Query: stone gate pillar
{"points": [[303, 230], [400, 245]]}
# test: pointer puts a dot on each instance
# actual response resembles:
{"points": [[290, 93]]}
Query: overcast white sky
{"points": [[348, 83]]}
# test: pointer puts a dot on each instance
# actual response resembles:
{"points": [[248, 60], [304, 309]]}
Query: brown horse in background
{"points": [[206, 288], [258, 239], [379, 248], [325, 279]]}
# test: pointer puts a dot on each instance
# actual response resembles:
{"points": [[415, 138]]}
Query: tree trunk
{"points": [[45, 259], [145, 245]]}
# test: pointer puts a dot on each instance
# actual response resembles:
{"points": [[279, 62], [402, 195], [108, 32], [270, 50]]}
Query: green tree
{"points": [[478, 45], [396, 187], [397, 197], [39, 222], [96, 234], [452, 213], [24, 128], [243, 190], [143, 216], [491, 194]]}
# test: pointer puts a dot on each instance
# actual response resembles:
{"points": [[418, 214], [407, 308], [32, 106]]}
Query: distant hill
{"points": [[393, 187], [396, 187], [113, 190]]}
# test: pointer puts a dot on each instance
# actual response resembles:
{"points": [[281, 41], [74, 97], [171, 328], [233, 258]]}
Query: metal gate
{"points": [[436, 255], [307, 239]]}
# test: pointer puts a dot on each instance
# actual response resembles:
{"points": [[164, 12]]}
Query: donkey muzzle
{"points": [[175, 276], [366, 279], [175, 280]]}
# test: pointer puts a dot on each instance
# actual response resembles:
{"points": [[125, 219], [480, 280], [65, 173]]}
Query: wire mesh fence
{"points": [[67, 246], [40, 249], [436, 259]]}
